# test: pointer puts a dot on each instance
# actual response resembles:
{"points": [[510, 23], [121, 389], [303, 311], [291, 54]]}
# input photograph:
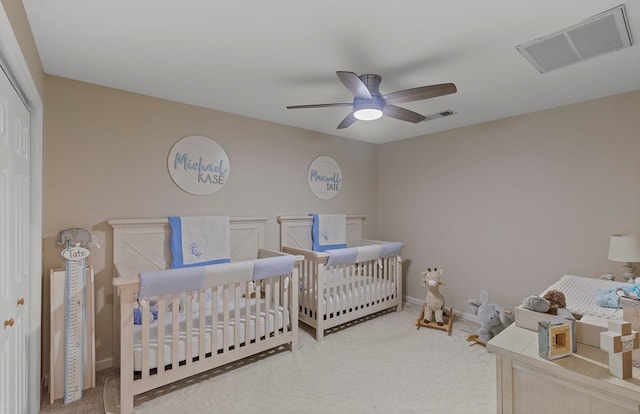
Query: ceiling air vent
{"points": [[598, 35]]}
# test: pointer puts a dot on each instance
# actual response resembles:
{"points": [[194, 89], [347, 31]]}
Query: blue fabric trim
{"points": [[175, 242], [210, 262], [315, 238], [314, 233], [330, 247]]}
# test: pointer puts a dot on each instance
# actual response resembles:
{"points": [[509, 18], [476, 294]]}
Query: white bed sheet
{"points": [[277, 319], [580, 295]]}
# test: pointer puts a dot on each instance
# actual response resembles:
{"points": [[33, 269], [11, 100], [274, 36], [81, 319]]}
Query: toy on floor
{"points": [[434, 301], [433, 311], [493, 320]]}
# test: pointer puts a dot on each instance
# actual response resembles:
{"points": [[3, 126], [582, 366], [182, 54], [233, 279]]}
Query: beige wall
{"points": [[106, 157], [510, 206]]}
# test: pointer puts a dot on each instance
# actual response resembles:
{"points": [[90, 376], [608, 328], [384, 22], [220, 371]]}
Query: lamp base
{"points": [[629, 272]]}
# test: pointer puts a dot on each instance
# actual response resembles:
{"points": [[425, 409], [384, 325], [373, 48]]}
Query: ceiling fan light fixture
{"points": [[367, 110], [367, 114]]}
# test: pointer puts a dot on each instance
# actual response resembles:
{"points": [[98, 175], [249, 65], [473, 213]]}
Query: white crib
{"points": [[224, 322], [332, 296]]}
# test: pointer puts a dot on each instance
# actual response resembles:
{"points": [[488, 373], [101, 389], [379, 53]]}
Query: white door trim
{"points": [[14, 63]]}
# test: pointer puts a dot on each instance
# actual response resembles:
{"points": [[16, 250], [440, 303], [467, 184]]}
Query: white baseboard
{"points": [[104, 364], [456, 312]]}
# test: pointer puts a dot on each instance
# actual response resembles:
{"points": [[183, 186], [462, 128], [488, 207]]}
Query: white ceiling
{"points": [[255, 57]]}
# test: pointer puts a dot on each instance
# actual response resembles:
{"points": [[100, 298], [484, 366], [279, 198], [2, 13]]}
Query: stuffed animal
{"points": [[556, 299], [434, 301], [493, 319], [536, 304]]}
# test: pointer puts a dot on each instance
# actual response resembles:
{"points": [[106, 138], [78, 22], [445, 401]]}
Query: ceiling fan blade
{"points": [[402, 114], [354, 84], [423, 92], [347, 121], [327, 105]]}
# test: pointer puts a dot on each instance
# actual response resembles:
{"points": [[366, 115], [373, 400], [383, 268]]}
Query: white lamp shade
{"points": [[624, 248]]}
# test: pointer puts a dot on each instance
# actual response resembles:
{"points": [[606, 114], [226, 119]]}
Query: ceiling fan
{"points": [[368, 104]]}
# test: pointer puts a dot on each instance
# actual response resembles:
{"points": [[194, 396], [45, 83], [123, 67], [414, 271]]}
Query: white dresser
{"points": [[577, 384]]}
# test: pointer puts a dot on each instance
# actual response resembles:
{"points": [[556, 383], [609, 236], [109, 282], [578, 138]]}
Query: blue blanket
{"points": [[329, 231], [609, 298], [199, 240]]}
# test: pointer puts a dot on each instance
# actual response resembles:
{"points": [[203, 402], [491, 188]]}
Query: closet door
{"points": [[15, 243]]}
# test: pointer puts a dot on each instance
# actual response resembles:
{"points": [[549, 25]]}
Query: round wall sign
{"points": [[325, 177], [198, 165]]}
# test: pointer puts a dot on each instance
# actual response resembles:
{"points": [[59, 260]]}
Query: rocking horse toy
{"points": [[434, 314]]}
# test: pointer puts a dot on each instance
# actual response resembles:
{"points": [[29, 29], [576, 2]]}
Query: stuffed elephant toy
{"points": [[493, 319], [75, 235]]}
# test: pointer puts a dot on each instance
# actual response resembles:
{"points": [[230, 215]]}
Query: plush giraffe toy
{"points": [[434, 301]]}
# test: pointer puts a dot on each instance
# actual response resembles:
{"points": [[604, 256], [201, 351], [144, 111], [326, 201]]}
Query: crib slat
{"points": [[331, 292], [274, 289], [237, 296], [225, 318], [321, 304], [359, 289], [202, 320], [355, 288], [175, 330], [373, 272], [144, 353], [267, 308], [247, 309], [188, 350], [256, 315], [162, 317], [287, 288], [215, 294], [384, 278], [312, 289]]}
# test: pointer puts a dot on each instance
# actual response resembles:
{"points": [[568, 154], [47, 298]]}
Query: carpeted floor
{"points": [[379, 365]]}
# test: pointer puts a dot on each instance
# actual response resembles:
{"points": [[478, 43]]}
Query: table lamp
{"points": [[625, 248]]}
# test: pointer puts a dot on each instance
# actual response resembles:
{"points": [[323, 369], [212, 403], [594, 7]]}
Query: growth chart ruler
{"points": [[74, 322]]}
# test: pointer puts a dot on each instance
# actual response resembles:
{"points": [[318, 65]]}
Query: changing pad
{"points": [[580, 293]]}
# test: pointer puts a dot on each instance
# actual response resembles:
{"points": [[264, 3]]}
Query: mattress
{"points": [[580, 295], [276, 320]]}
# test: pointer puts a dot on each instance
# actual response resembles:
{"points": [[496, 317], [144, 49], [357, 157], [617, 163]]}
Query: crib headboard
{"points": [[143, 244], [295, 231]]}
